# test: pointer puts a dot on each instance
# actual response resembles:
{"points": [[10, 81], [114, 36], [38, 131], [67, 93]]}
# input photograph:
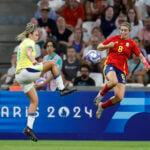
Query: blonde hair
{"points": [[30, 28]]}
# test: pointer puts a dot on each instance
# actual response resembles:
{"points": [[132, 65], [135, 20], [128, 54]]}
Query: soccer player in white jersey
{"points": [[29, 70]]}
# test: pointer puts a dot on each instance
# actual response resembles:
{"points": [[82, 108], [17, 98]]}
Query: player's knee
{"points": [[35, 102], [53, 63], [114, 82]]}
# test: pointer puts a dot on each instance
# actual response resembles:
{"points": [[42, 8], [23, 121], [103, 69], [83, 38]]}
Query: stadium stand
{"points": [[14, 14]]}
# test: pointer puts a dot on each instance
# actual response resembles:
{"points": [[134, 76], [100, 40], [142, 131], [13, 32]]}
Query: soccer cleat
{"points": [[67, 91], [99, 111], [97, 100], [29, 133]]}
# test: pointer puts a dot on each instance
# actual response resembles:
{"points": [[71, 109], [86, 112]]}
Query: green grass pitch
{"points": [[73, 145]]}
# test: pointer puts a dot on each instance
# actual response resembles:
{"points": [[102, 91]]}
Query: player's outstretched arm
{"points": [[144, 61], [102, 47]]}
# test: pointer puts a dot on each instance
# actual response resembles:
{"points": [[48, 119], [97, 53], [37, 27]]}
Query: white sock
{"points": [[59, 82], [99, 94], [30, 121]]}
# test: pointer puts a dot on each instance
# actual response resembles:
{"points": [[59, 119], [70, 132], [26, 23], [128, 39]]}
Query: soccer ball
{"points": [[92, 57], [40, 81]]}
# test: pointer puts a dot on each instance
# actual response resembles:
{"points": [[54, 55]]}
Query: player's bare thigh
{"points": [[112, 77]]}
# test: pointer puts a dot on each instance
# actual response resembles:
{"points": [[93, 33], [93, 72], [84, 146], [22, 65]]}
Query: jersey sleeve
{"points": [[110, 39], [30, 44], [59, 63], [135, 49]]}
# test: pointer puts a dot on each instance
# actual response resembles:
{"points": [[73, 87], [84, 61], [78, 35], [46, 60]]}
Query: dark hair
{"points": [[137, 38], [135, 18], [86, 66], [70, 46], [105, 9], [96, 28], [52, 41]]}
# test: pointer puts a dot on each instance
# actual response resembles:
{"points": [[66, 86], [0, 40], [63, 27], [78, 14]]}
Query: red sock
{"points": [[104, 90], [108, 103]]}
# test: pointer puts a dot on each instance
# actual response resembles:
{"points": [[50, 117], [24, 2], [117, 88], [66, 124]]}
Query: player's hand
{"points": [[111, 44], [34, 62]]}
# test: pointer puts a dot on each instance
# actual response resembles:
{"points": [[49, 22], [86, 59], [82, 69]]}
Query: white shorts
{"points": [[27, 76]]}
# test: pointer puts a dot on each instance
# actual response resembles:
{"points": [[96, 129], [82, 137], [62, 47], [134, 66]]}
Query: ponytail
{"points": [[30, 28]]}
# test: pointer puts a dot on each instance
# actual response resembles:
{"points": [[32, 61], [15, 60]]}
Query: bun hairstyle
{"points": [[126, 24], [30, 28]]}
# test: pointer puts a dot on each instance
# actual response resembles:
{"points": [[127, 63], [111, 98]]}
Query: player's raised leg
{"points": [[119, 90], [52, 66], [112, 82]]}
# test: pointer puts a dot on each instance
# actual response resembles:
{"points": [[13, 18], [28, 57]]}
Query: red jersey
{"points": [[72, 16], [120, 53]]}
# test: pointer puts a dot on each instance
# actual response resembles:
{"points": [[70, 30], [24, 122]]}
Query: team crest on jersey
{"points": [[127, 44]]}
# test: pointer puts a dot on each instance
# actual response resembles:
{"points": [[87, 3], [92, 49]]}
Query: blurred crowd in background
{"points": [[68, 29]]}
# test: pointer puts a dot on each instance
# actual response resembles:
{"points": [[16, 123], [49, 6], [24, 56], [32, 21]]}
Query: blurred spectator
{"points": [[76, 40], [117, 7], [71, 65], [42, 37], [73, 14], [135, 21], [144, 34], [137, 72], [126, 5], [93, 9], [84, 79], [144, 7], [135, 24], [121, 18], [122, 6], [48, 24], [45, 3], [62, 33], [140, 46], [96, 31], [56, 4], [49, 81], [34, 21], [87, 29], [107, 21], [10, 75]]}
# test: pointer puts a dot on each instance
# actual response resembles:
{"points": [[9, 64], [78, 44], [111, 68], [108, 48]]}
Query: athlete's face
{"points": [[35, 36], [50, 48], [124, 32]]}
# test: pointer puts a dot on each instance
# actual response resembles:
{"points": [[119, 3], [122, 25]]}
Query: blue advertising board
{"points": [[73, 116]]}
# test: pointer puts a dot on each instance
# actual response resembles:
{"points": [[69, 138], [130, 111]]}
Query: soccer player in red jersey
{"points": [[120, 47]]}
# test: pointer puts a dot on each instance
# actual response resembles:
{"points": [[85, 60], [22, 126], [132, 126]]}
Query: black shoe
{"points": [[66, 91], [29, 133]]}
